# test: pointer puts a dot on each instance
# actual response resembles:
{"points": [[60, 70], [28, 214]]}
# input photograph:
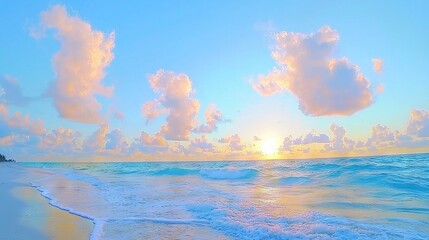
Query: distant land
{"points": [[4, 159]]}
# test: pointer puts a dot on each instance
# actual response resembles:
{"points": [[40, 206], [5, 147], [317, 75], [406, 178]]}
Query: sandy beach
{"points": [[25, 214]]}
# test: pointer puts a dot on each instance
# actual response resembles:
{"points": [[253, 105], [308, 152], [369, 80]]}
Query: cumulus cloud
{"points": [[151, 110], [306, 67], [381, 136], [156, 140], [11, 92], [174, 90], [377, 65], [201, 144], [419, 123], [309, 138], [213, 117], [79, 65], [340, 142], [13, 124], [312, 138], [234, 142], [116, 141], [97, 140], [61, 140]]}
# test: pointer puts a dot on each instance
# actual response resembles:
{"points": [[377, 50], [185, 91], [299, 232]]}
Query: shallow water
{"points": [[385, 197]]}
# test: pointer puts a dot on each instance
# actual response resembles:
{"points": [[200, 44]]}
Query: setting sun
{"points": [[269, 148]]}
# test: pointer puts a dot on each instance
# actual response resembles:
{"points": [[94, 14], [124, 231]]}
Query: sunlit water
{"points": [[383, 197]]}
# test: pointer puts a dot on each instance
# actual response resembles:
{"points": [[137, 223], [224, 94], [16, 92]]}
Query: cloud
{"points": [[156, 140], [97, 140], [339, 143], [116, 142], [18, 124], [11, 140], [61, 140], [234, 142], [419, 123], [147, 143], [11, 92], [380, 88], [312, 138], [377, 65], [174, 90], [201, 144], [306, 67], [79, 65], [151, 110], [289, 142], [213, 117], [381, 136]]}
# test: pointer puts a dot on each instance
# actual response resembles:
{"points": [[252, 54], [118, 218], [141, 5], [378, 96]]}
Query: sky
{"points": [[212, 80]]}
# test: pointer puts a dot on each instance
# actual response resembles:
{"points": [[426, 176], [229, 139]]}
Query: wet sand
{"points": [[25, 214]]}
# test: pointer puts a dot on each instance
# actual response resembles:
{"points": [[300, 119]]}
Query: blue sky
{"points": [[222, 47]]}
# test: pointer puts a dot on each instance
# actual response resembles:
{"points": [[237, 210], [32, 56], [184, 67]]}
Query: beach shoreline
{"points": [[26, 214]]}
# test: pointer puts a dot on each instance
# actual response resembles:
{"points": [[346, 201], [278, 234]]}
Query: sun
{"points": [[269, 148]]}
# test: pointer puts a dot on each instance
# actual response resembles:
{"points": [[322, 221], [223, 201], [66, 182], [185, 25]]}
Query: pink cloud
{"points": [[156, 140], [79, 66], [213, 117], [201, 144], [306, 67], [380, 88], [234, 142], [174, 90], [61, 140], [419, 123], [377, 65], [151, 110], [97, 140], [17, 123]]}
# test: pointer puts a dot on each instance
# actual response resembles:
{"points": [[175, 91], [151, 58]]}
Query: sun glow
{"points": [[269, 148]]}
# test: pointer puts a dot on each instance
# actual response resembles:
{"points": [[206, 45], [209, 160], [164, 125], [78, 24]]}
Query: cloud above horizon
{"points": [[175, 90], [323, 84], [213, 118], [79, 65]]}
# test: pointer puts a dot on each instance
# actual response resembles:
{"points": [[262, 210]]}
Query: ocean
{"points": [[380, 197]]}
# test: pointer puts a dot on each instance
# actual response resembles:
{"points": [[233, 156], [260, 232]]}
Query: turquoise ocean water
{"points": [[383, 197]]}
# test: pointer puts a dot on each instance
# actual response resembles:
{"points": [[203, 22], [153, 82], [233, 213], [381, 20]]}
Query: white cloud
{"points": [[306, 67], [79, 66]]}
